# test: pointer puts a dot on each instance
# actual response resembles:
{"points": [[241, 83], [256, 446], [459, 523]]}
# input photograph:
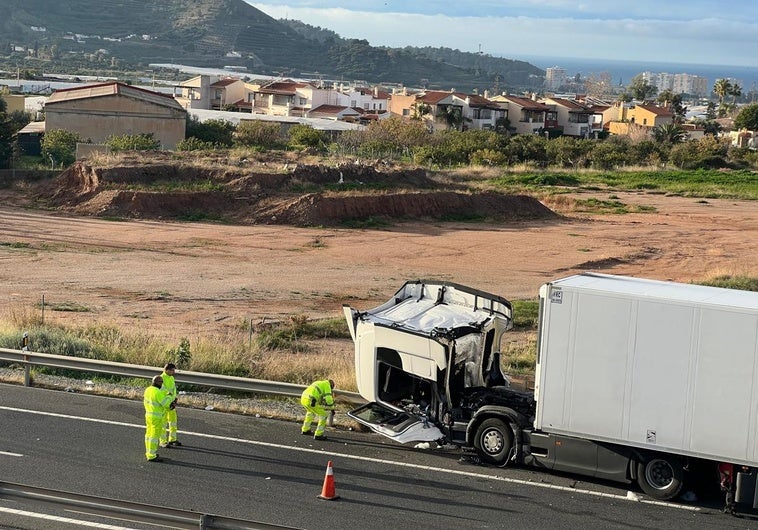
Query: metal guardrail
{"points": [[227, 382], [131, 511]]}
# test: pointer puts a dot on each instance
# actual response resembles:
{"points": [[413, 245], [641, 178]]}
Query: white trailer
{"points": [[657, 365], [665, 367], [636, 380]]}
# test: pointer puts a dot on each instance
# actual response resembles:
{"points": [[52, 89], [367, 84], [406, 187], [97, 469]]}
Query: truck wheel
{"points": [[493, 441], [661, 477]]}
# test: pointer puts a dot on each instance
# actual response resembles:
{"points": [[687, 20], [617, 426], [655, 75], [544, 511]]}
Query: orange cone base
{"points": [[334, 498]]}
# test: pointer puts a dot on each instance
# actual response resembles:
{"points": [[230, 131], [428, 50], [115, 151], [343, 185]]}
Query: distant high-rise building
{"points": [[694, 85], [555, 77]]}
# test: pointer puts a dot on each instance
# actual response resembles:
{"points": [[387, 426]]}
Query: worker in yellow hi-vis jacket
{"points": [[317, 399], [156, 403], [168, 433]]}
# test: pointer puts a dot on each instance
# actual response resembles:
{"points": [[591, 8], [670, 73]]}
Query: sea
{"points": [[622, 72]]}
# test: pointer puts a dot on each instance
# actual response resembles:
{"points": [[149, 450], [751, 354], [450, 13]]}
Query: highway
{"points": [[264, 470]]}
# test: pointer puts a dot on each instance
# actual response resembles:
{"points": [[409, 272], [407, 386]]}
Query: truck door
{"points": [[397, 424], [404, 412]]}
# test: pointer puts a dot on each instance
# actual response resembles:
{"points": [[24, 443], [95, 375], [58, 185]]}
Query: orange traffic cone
{"points": [[327, 492]]}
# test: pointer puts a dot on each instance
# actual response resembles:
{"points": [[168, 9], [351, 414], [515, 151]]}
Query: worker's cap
{"points": [[26, 334]]}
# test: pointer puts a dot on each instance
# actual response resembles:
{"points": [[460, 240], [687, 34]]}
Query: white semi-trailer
{"points": [[636, 380]]}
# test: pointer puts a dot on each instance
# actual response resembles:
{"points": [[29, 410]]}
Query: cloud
{"points": [[587, 31]]}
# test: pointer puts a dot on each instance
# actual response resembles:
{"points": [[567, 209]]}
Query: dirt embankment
{"points": [[296, 194]]}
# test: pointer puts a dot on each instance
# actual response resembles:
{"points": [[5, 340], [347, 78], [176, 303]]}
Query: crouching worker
{"points": [[317, 400], [156, 403]]}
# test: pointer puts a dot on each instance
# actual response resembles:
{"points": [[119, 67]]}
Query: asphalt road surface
{"points": [[264, 470]]}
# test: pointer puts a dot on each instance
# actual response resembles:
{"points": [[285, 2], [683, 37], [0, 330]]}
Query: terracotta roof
{"points": [[331, 110], [433, 96], [526, 103], [658, 111], [243, 104], [225, 82], [475, 100], [112, 89], [570, 104]]}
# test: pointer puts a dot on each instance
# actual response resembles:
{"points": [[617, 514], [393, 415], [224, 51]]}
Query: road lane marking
{"points": [[373, 460], [58, 519], [8, 453]]}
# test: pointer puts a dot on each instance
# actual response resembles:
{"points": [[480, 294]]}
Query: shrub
{"points": [[133, 142], [527, 148], [392, 135], [214, 132], [306, 136], [258, 133], [611, 153], [59, 146], [194, 144], [488, 157]]}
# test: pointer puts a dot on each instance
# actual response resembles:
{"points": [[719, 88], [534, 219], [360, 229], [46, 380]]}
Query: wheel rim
{"points": [[659, 474], [492, 441]]}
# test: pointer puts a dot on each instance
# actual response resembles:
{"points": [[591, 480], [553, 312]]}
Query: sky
{"points": [[720, 32]]}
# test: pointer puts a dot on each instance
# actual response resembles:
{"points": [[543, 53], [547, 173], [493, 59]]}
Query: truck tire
{"points": [[660, 476], [493, 441]]}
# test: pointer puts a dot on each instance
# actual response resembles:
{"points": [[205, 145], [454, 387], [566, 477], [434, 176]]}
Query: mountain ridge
{"points": [[232, 32]]}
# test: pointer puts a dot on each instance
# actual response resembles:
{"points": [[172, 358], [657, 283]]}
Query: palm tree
{"points": [[721, 88], [735, 92], [671, 133], [666, 98], [419, 110], [452, 116]]}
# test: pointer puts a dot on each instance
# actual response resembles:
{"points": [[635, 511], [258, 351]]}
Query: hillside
{"points": [[132, 34]]}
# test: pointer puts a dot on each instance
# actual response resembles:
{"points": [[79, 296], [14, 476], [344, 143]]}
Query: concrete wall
{"points": [[98, 118], [14, 102]]}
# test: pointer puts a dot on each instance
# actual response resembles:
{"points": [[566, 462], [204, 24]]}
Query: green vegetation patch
{"points": [[72, 307], [525, 314], [368, 222], [14, 244], [599, 206], [706, 183], [745, 283]]}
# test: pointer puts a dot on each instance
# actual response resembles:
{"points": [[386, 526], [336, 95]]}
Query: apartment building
{"points": [[694, 85], [555, 77], [572, 117], [525, 115], [623, 118]]}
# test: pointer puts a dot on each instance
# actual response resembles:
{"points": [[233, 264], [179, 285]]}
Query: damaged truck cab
{"points": [[635, 380], [428, 362]]}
